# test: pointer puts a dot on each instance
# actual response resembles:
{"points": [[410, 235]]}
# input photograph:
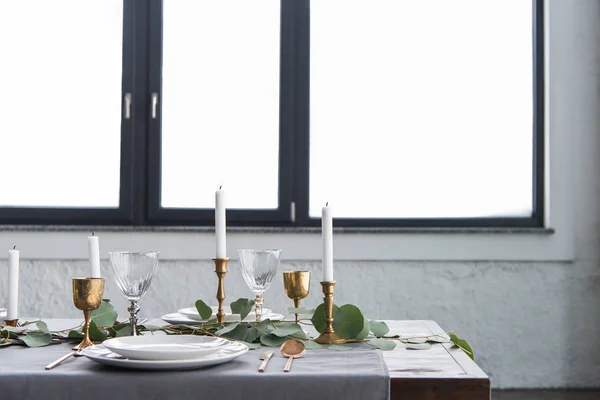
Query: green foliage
{"points": [[242, 307], [318, 318], [382, 344], [204, 311], [301, 310], [105, 315], [462, 344], [36, 339], [379, 328], [349, 323]]}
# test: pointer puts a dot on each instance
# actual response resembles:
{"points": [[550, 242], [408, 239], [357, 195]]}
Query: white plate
{"points": [[102, 355], [159, 347], [192, 313], [177, 319]]}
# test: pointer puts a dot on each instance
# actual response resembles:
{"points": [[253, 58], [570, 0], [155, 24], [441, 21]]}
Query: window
{"points": [[398, 113]]}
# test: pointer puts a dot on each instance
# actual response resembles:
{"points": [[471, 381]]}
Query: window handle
{"points": [[154, 104], [127, 105]]}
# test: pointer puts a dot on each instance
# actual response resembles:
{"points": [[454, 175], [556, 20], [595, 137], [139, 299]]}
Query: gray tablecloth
{"points": [[321, 374]]}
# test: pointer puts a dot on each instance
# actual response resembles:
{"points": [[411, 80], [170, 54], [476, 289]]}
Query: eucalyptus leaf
{"points": [[365, 331], [265, 326], [379, 328], [311, 344], [240, 332], [301, 310], [338, 347], [439, 339], [464, 346], [204, 311], [382, 344], [252, 346], [286, 329], [41, 325], [36, 339], [105, 315], [318, 318], [252, 335], [272, 340], [416, 340], [73, 334], [351, 324], [418, 346], [302, 335], [227, 328], [96, 333], [14, 329], [242, 307]]}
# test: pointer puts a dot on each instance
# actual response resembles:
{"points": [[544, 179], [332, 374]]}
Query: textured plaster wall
{"points": [[531, 324]]}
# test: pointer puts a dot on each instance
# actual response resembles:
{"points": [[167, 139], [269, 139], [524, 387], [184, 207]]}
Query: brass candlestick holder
{"points": [[296, 285], [11, 322], [221, 270], [329, 336]]}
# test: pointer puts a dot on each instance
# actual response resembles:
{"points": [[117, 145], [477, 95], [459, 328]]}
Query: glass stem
{"points": [[133, 310], [258, 307]]}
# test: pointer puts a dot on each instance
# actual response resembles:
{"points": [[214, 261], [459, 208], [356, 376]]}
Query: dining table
{"points": [[442, 371]]}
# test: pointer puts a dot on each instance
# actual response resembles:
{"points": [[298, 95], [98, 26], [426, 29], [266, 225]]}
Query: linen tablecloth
{"points": [[322, 374]]}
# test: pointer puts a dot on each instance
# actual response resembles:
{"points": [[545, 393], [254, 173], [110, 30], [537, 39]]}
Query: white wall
{"points": [[531, 324]]}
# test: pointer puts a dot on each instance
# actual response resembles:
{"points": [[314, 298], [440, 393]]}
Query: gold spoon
{"points": [[291, 349]]}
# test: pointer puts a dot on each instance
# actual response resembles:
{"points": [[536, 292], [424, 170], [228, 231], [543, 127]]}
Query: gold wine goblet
{"points": [[296, 285], [87, 296]]}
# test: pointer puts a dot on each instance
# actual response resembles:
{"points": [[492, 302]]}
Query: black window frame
{"points": [[140, 176]]}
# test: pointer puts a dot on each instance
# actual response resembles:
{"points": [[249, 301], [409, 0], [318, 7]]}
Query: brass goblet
{"points": [[296, 285], [87, 296]]}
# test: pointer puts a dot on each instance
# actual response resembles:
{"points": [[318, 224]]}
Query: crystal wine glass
{"points": [[133, 273], [258, 269]]}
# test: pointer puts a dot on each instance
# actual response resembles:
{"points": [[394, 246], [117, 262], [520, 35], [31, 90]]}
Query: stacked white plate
{"points": [[161, 352], [190, 316]]}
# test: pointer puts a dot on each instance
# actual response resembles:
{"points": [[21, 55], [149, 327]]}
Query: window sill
{"points": [[269, 229], [350, 244]]}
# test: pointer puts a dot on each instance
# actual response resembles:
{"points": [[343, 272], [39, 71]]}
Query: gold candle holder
{"points": [[221, 270], [11, 322], [296, 285], [329, 336]]}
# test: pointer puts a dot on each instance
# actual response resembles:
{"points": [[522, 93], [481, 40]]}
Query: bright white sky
{"points": [[418, 108]]}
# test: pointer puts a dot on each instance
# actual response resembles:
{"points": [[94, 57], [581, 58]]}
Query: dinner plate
{"points": [[102, 355], [192, 313], [160, 347], [180, 319]]}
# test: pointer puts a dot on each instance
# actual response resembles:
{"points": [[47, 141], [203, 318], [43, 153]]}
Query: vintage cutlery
{"points": [[291, 349], [265, 357], [63, 358]]}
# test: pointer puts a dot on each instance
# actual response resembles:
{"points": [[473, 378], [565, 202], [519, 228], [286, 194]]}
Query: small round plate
{"points": [[180, 319], [192, 313], [162, 347], [102, 355]]}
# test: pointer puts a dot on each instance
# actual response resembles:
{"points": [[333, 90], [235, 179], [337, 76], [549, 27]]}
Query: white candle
{"points": [[220, 223], [94, 254], [327, 230], [13, 285]]}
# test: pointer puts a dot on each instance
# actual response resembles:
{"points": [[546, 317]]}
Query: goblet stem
{"points": [[258, 307], [86, 342], [297, 305], [133, 319]]}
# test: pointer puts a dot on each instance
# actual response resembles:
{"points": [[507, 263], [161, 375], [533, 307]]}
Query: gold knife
{"points": [[265, 357]]}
